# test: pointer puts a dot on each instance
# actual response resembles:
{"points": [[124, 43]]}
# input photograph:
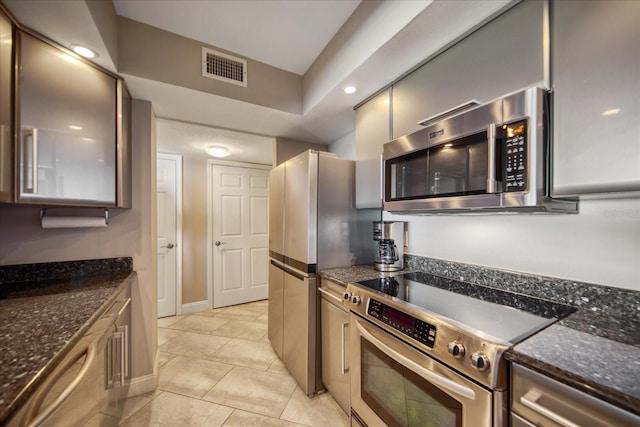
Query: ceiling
{"points": [[327, 42], [285, 34]]}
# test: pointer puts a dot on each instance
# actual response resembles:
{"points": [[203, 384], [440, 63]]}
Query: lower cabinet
{"points": [[89, 386], [334, 325], [537, 400]]}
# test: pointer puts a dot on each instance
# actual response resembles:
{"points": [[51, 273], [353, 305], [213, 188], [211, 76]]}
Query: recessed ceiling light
{"points": [[217, 151], [350, 89], [83, 51], [611, 112], [74, 127]]}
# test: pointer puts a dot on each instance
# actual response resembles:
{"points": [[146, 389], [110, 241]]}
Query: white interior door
{"points": [[240, 234], [169, 177]]}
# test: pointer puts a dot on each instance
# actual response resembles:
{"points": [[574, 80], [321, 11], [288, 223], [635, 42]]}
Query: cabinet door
{"points": [[503, 56], [372, 132], [335, 352], [596, 118], [67, 133], [276, 307], [299, 331], [6, 105]]}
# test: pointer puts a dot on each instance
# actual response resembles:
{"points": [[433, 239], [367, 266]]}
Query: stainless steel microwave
{"points": [[495, 156]]}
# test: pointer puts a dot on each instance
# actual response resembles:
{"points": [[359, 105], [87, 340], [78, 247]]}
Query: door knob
{"points": [[169, 246], [218, 243]]}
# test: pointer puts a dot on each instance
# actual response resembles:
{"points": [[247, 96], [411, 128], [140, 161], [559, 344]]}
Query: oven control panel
{"points": [[417, 329]]}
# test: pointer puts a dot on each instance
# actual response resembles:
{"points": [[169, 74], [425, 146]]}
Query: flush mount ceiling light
{"points": [[350, 89], [84, 51], [611, 112], [217, 151]]}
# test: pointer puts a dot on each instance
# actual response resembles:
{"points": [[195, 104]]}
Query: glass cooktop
{"points": [[505, 315]]}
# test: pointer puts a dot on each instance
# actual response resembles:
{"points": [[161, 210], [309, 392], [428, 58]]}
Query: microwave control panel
{"points": [[515, 156]]}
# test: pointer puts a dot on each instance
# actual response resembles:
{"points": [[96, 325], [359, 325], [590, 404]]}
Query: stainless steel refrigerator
{"points": [[313, 225]]}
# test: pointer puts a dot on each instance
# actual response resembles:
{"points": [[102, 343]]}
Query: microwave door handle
{"points": [[492, 185], [435, 379]]}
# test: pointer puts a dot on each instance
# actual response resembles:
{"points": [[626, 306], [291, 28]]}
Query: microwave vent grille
{"points": [[223, 67]]}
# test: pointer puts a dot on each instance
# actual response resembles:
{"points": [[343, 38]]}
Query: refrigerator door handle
{"points": [[295, 274], [277, 265]]}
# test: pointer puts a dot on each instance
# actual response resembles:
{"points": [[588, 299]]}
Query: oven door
{"points": [[393, 384]]}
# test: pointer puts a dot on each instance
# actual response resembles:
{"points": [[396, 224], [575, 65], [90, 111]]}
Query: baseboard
{"points": [[145, 383], [193, 307]]}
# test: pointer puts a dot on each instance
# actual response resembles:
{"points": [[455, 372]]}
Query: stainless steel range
{"points": [[428, 351]]}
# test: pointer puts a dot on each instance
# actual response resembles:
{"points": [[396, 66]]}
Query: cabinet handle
{"points": [[344, 348], [330, 295], [33, 133], [34, 420], [530, 400]]}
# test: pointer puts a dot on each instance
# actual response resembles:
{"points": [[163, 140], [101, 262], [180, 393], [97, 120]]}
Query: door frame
{"points": [[179, 177], [210, 164]]}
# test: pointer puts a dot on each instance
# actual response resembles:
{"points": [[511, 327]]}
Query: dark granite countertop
{"points": [[357, 273], [595, 349], [584, 352], [42, 318]]}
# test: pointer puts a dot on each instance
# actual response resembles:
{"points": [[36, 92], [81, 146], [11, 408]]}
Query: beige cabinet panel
{"points": [[6, 106], [595, 70], [503, 56], [334, 326], [372, 132]]}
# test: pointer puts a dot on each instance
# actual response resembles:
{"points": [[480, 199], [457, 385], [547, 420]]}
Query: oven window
{"points": [[400, 397]]}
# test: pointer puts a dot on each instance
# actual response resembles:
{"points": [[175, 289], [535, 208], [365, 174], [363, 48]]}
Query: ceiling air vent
{"points": [[219, 66]]}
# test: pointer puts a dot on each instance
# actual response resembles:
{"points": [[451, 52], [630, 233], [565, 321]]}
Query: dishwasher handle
{"points": [[32, 417], [530, 400], [329, 295]]}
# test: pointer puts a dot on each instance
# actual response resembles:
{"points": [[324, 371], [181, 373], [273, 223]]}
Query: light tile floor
{"points": [[218, 369]]}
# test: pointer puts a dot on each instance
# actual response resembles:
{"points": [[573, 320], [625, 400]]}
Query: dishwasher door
{"points": [[300, 330], [545, 402], [70, 394]]}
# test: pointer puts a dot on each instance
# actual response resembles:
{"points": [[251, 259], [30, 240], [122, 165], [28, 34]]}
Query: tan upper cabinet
{"points": [[6, 108], [503, 56], [72, 129], [372, 132], [596, 81]]}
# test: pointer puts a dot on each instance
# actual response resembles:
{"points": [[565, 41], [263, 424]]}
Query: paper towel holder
{"points": [[43, 213]]}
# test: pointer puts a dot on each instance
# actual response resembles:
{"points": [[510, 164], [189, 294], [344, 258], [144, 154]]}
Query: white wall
{"points": [[345, 147], [599, 245]]}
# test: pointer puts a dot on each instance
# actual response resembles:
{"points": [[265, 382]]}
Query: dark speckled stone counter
{"points": [[357, 273], [42, 317], [595, 349]]}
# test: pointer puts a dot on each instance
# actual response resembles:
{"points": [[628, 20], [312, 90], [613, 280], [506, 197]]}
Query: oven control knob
{"points": [[456, 349], [356, 300], [346, 296], [480, 361]]}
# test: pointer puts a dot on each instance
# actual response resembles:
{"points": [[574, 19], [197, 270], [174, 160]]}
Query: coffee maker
{"points": [[390, 238]]}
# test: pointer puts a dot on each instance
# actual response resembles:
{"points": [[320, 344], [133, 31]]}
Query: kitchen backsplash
{"points": [[595, 298]]}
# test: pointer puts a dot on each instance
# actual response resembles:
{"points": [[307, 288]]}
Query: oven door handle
{"points": [[432, 377]]}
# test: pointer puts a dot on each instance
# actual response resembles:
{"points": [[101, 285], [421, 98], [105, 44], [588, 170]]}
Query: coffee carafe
{"points": [[390, 238]]}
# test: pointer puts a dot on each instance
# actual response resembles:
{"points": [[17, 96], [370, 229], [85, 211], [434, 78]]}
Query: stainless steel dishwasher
{"points": [[88, 386], [539, 401]]}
